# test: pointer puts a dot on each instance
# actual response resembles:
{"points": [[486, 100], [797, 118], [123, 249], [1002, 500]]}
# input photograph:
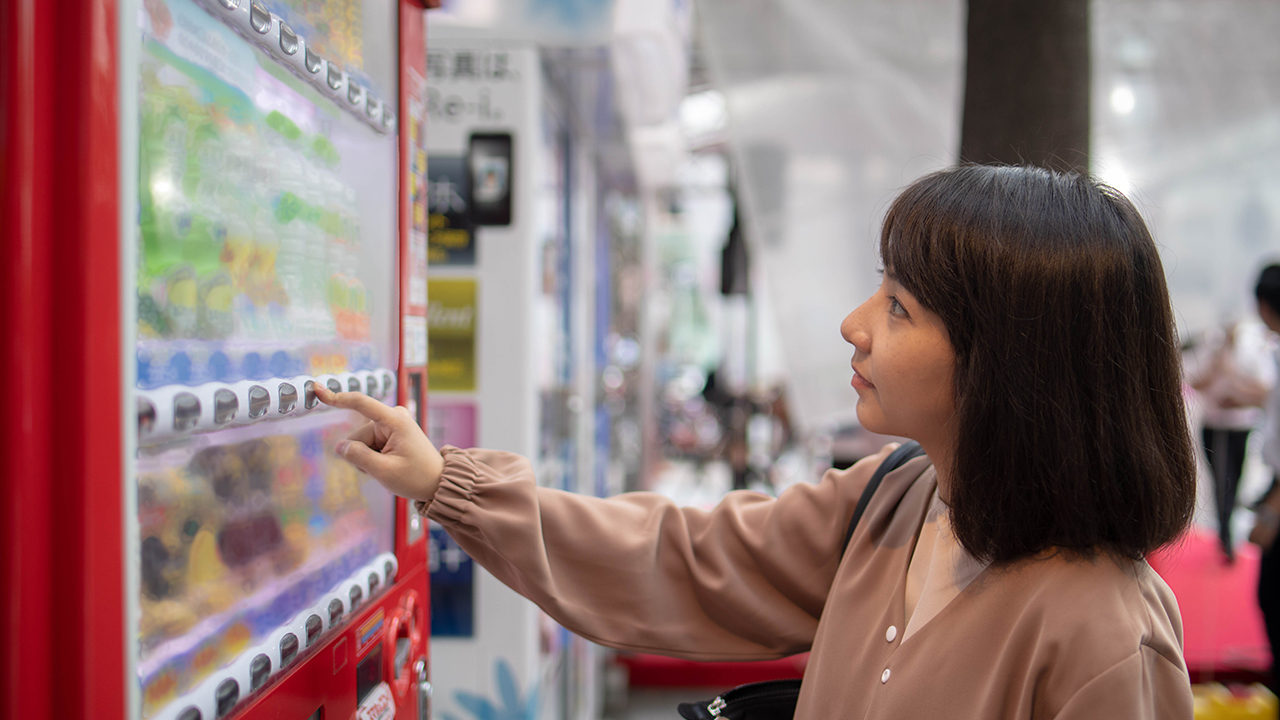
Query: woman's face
{"points": [[903, 366]]}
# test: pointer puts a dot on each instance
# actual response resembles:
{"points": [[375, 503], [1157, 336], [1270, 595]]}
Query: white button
{"points": [[891, 633], [884, 676]]}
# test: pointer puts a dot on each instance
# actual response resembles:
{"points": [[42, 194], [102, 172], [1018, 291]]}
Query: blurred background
{"points": [[699, 187]]}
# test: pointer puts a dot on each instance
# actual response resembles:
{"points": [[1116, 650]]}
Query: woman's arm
{"points": [[745, 580]]}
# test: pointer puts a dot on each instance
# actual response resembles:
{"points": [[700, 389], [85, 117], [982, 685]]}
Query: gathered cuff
{"points": [[457, 482]]}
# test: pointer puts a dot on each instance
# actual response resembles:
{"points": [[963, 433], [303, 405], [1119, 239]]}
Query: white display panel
{"points": [[266, 262]]}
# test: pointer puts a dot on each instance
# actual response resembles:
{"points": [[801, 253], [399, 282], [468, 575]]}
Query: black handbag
{"points": [[776, 699]]}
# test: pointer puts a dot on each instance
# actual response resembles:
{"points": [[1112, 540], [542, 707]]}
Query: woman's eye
{"points": [[895, 307]]}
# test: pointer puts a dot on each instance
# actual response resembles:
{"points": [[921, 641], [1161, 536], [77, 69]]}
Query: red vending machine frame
{"points": [[63, 524]]}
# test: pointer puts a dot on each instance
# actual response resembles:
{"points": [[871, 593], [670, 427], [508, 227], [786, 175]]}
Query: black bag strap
{"points": [[906, 451]]}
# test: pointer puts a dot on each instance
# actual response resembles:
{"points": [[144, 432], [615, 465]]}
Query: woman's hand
{"points": [[391, 447]]}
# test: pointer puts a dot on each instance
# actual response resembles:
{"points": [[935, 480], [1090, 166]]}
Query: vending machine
{"points": [[214, 207]]}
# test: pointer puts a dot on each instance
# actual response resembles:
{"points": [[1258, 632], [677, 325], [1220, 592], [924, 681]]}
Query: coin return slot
{"points": [[403, 647], [315, 624], [334, 385], [259, 401], [146, 416], [335, 612], [225, 405], [335, 77], [186, 411], [288, 40], [312, 61], [309, 398], [259, 671], [356, 595], [259, 18], [288, 648], [288, 398], [227, 694]]}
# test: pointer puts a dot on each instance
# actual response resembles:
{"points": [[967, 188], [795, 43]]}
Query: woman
{"points": [[1023, 336]]}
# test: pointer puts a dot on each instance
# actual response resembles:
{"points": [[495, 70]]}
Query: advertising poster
{"points": [[450, 236], [451, 342]]}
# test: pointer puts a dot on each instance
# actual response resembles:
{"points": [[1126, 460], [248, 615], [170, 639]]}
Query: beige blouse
{"points": [[758, 578]]}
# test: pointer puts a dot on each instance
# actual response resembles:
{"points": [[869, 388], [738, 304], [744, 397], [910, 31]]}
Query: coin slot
{"points": [[288, 398], [288, 648], [225, 405], [259, 401], [186, 411]]}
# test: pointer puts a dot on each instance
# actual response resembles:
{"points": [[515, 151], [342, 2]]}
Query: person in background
{"points": [[1267, 518], [1229, 372]]}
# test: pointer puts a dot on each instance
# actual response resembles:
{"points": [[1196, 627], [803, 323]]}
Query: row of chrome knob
{"points": [[218, 695], [253, 20], [180, 409]]}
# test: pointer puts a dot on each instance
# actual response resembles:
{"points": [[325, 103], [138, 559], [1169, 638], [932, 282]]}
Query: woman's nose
{"points": [[853, 333]]}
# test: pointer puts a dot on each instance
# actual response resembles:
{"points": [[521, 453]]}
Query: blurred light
{"points": [[703, 113], [1114, 174], [1122, 100], [162, 188]]}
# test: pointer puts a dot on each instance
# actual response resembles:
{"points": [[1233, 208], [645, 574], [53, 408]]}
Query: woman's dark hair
{"points": [[1071, 424], [1268, 288]]}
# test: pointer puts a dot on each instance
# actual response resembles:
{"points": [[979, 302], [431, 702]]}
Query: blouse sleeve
{"points": [[744, 581], [1144, 686]]}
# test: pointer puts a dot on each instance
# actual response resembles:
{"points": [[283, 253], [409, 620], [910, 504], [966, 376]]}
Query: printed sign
{"points": [[380, 705], [451, 347], [450, 240], [452, 586]]}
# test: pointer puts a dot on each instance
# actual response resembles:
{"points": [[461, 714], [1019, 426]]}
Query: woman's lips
{"points": [[861, 382]]}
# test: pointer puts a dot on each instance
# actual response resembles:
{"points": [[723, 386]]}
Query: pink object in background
{"points": [[451, 423], [1223, 630]]}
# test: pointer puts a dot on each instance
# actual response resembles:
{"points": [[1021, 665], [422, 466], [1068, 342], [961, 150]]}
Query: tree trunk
{"points": [[1026, 95]]}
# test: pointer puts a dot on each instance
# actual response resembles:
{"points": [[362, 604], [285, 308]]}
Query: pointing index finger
{"points": [[361, 403]]}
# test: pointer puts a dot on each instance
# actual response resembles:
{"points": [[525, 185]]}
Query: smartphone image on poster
{"points": [[490, 172]]}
